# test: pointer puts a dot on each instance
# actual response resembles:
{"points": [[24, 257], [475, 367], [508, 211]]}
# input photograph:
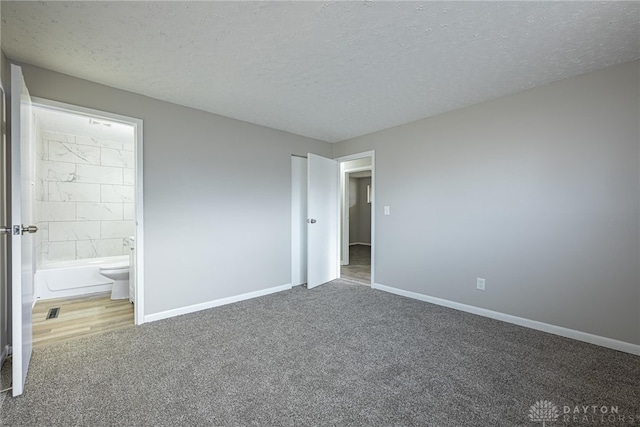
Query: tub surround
{"points": [[84, 196]]}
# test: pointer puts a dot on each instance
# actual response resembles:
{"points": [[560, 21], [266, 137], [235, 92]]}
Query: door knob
{"points": [[311, 221], [4, 229], [29, 229]]}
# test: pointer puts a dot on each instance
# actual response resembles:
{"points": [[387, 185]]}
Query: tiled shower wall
{"points": [[84, 196]]}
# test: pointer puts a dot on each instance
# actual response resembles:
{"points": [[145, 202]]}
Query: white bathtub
{"points": [[73, 278]]}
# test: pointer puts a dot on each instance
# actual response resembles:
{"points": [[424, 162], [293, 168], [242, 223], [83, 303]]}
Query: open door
{"points": [[322, 220], [22, 242]]}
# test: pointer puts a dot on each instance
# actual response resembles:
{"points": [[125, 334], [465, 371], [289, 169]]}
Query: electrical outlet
{"points": [[480, 284]]}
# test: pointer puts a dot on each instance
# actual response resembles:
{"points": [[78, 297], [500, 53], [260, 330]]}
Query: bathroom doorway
{"points": [[357, 218], [88, 208]]}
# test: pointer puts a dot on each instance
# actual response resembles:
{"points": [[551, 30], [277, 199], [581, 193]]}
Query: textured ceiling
{"points": [[330, 71]]}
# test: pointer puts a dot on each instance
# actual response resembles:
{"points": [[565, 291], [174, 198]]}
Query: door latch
{"points": [[29, 229], [17, 230]]}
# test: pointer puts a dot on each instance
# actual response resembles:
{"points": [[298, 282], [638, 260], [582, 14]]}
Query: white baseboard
{"points": [[215, 303], [359, 243], [521, 321]]}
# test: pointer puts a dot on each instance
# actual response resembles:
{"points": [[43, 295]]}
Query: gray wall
{"points": [[536, 192], [364, 211], [353, 209], [209, 183], [359, 211]]}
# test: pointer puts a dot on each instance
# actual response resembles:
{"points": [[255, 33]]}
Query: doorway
{"points": [[88, 210], [334, 249], [78, 186], [356, 259], [357, 201]]}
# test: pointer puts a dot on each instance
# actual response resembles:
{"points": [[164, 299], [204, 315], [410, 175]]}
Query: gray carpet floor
{"points": [[340, 354]]}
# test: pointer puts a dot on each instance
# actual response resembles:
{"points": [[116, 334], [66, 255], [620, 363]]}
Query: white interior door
{"points": [[322, 220], [22, 242]]}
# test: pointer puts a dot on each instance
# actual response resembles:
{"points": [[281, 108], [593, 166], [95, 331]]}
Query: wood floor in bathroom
{"points": [[79, 317]]}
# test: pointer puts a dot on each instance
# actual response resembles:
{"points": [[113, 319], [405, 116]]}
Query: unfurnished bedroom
{"points": [[359, 213]]}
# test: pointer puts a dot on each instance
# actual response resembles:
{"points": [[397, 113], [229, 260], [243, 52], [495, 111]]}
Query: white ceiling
{"points": [[327, 70]]}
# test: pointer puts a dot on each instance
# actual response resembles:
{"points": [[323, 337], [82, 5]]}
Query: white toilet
{"points": [[119, 273]]}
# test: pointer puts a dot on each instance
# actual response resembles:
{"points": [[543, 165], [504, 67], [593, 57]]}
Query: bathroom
{"points": [[85, 211]]}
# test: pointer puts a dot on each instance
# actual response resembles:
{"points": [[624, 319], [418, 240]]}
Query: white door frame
{"points": [[139, 206], [5, 309], [356, 156], [298, 220]]}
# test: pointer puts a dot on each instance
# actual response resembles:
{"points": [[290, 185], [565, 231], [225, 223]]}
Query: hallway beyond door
{"points": [[359, 268]]}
